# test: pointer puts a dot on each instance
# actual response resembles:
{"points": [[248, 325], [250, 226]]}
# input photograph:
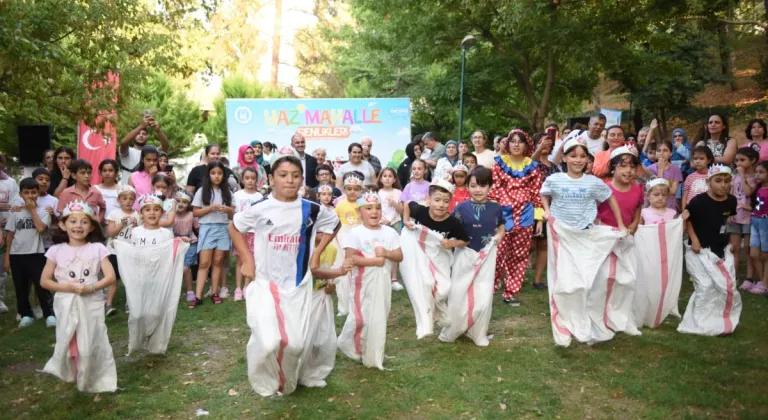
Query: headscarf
{"points": [[3, 175], [241, 157], [259, 158], [456, 158], [528, 143], [409, 151], [681, 131]]}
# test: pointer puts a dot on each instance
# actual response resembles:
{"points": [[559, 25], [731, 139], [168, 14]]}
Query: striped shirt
{"points": [[574, 201]]}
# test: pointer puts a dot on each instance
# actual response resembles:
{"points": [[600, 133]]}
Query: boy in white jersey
{"points": [[284, 226]]}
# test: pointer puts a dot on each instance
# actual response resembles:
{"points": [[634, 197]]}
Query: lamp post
{"points": [[466, 44]]}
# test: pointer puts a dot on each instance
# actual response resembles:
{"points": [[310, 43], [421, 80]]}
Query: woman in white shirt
{"points": [[445, 164], [356, 163]]}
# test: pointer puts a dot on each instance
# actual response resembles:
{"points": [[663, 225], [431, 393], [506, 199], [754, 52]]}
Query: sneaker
{"points": [[208, 293], [758, 289], [38, 312], [110, 310], [747, 284], [3, 308], [238, 294], [50, 322], [511, 302], [224, 292], [216, 299], [540, 286], [26, 321], [190, 297], [127, 309], [18, 317], [396, 286], [195, 303]]}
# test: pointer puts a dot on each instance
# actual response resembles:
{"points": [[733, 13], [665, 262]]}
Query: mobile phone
{"points": [[551, 132], [148, 113]]}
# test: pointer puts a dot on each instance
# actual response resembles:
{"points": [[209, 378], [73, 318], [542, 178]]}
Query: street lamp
{"points": [[466, 44]]}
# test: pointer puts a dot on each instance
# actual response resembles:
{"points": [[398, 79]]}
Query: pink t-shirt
{"points": [[695, 184], [142, 183], [762, 151], [80, 264], [742, 216], [183, 225], [651, 217], [761, 207], [629, 202]]}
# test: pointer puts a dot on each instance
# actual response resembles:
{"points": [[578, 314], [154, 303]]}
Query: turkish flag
{"points": [[95, 145]]}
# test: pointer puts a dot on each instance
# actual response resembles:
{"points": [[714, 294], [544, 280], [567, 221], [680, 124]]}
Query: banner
{"points": [[96, 145], [331, 124], [612, 116]]}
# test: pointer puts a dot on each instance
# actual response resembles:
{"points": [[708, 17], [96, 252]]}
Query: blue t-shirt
{"points": [[480, 221]]}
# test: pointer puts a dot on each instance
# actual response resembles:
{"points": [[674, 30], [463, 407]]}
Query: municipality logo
{"points": [[243, 115]]}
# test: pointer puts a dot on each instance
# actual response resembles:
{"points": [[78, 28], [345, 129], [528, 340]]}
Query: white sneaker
{"points": [[223, 292], [396, 286], [208, 293], [3, 308], [50, 322], [38, 312], [18, 317], [26, 321]]}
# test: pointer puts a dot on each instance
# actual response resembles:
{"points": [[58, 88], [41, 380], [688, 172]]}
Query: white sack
{"points": [[364, 334], [320, 342], [82, 318], [573, 259], [471, 298], [152, 276], [279, 321], [343, 283], [612, 297], [426, 271], [715, 305], [659, 251]]}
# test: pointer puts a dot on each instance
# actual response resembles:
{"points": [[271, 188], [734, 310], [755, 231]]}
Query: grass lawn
{"points": [[662, 374]]}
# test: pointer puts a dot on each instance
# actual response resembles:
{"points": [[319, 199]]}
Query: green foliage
{"points": [[179, 117], [55, 57], [235, 87]]}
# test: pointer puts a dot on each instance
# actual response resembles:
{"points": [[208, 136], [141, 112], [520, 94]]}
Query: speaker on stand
{"points": [[34, 140]]}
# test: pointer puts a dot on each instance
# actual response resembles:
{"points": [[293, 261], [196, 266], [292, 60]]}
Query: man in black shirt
{"points": [[436, 216], [709, 213]]}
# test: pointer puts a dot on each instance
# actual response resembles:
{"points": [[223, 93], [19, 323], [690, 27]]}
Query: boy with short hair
{"points": [[83, 191], [436, 216], [469, 160], [708, 213], [482, 219], [46, 201], [26, 253], [324, 175]]}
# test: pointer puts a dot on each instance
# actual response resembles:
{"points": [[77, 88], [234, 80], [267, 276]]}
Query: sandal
{"points": [[216, 299], [194, 303]]}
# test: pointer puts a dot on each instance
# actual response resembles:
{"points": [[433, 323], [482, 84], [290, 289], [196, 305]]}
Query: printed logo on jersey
{"points": [[284, 243], [269, 222]]}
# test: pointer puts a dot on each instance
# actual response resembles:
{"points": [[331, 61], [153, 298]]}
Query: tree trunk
{"points": [[637, 118], [276, 42], [724, 50]]}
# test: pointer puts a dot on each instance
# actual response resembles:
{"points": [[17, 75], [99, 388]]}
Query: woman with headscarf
{"points": [[246, 156], [516, 187], [445, 164], [412, 152], [261, 158], [682, 149]]}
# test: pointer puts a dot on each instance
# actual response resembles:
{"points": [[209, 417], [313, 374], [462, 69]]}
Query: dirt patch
{"points": [[24, 367]]}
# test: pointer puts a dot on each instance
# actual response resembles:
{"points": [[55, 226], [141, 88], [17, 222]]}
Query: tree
{"points": [[179, 117], [55, 56], [534, 56], [238, 87]]}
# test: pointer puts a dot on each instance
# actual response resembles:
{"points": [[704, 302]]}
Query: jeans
{"points": [[27, 270]]}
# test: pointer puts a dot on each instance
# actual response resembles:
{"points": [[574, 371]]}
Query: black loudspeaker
{"points": [[34, 140], [577, 120]]}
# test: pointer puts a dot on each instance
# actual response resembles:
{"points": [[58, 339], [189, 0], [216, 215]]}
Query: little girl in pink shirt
{"points": [[657, 194]]}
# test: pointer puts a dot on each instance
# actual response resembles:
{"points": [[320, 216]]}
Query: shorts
{"points": [[213, 236], [738, 228], [190, 258], [759, 232], [248, 241]]}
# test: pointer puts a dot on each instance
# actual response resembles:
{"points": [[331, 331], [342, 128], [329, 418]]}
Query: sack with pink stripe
{"points": [[364, 334], [152, 287], [659, 252], [471, 298], [320, 342], [715, 305], [342, 283], [577, 293], [613, 296], [426, 271], [279, 321]]}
